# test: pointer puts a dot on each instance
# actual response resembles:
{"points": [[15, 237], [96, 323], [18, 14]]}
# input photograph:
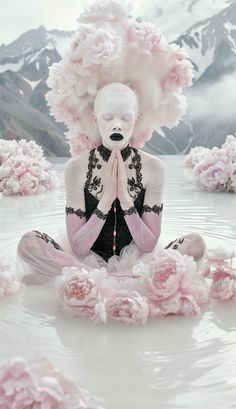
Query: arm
{"points": [[81, 234], [146, 230]]}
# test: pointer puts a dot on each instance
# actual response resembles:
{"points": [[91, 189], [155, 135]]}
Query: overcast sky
{"points": [[18, 16]]}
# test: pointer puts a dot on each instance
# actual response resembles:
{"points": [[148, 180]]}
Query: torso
{"points": [[137, 167], [94, 167]]}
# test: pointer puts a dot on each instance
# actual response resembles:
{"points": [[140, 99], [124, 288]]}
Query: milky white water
{"points": [[174, 362]]}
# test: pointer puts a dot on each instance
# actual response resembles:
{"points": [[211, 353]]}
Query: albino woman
{"points": [[113, 200]]}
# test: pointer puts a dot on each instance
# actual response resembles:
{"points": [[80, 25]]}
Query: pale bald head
{"points": [[118, 91], [116, 112]]}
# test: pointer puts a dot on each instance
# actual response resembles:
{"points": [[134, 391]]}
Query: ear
{"points": [[94, 118], [138, 118]]}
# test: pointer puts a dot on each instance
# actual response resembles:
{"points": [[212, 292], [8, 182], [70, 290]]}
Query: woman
{"points": [[113, 200]]}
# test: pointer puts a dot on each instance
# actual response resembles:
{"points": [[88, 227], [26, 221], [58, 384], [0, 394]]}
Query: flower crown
{"points": [[110, 46]]}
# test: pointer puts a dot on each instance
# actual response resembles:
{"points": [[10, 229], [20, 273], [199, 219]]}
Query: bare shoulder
{"points": [[75, 169], [151, 163], [76, 164]]}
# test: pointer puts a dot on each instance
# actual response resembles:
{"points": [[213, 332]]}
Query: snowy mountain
{"points": [[175, 17], [23, 72], [206, 28]]}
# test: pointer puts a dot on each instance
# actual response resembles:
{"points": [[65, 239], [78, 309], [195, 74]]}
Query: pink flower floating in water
{"points": [[8, 281], [23, 169], [128, 307], [174, 286], [37, 384], [168, 284], [214, 169], [223, 284], [80, 295]]}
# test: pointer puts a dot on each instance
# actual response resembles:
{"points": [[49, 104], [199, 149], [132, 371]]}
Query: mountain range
{"points": [[209, 35]]}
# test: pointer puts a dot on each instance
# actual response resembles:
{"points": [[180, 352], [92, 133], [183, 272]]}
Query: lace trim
{"points": [[135, 185], [96, 182], [79, 212], [155, 208], [130, 210], [105, 152], [48, 239], [100, 214]]}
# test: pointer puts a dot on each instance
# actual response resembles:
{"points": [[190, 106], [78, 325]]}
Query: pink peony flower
{"points": [[188, 306], [103, 11], [80, 295], [232, 176], [212, 173], [214, 169], [100, 46], [25, 171], [36, 384], [195, 156], [128, 307], [111, 47], [8, 281], [179, 76], [229, 146], [223, 284], [145, 36], [193, 285], [173, 285], [164, 280]]}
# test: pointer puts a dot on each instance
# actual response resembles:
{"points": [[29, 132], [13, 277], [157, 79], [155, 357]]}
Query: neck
{"points": [[106, 152]]}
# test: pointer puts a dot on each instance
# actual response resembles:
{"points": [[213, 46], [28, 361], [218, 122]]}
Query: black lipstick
{"points": [[116, 137]]}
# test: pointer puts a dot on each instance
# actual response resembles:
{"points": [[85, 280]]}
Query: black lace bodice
{"points": [[103, 244]]}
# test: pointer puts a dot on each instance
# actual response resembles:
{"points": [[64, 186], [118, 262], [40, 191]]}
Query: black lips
{"points": [[116, 137]]}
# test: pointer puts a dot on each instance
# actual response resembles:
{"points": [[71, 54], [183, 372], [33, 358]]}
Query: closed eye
{"points": [[107, 117]]}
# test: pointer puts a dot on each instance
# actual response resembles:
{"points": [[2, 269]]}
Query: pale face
{"points": [[116, 115]]}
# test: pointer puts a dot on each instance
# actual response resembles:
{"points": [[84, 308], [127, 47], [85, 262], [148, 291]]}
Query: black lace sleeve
{"points": [[155, 208], [130, 210], [79, 212]]}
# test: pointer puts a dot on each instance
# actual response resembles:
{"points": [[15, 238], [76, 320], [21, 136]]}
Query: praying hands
{"points": [[115, 182]]}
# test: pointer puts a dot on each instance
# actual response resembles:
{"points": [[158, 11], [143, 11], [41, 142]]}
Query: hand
{"points": [[122, 190], [110, 181]]}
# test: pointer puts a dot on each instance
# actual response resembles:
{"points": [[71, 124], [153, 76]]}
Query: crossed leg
{"points": [[42, 258]]}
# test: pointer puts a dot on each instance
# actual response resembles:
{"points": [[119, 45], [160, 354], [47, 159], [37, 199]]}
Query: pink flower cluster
{"points": [[222, 275], [214, 169], [170, 284], [93, 46], [23, 169], [8, 281], [223, 284], [37, 384], [174, 286], [80, 295], [109, 46], [128, 307]]}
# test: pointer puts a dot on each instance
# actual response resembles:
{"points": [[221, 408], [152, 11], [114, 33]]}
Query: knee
{"points": [[195, 246], [25, 242]]}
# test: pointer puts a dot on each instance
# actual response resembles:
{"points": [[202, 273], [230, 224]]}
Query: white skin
{"points": [[116, 111]]}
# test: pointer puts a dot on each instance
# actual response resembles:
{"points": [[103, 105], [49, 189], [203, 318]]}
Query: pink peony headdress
{"points": [[110, 46]]}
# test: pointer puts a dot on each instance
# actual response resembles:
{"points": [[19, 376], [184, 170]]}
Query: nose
{"points": [[116, 128]]}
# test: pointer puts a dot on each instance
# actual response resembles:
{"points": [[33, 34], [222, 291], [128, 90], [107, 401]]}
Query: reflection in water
{"points": [[174, 362]]}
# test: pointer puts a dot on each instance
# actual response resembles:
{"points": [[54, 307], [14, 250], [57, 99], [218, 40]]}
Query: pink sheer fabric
{"points": [[146, 230], [81, 234]]}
